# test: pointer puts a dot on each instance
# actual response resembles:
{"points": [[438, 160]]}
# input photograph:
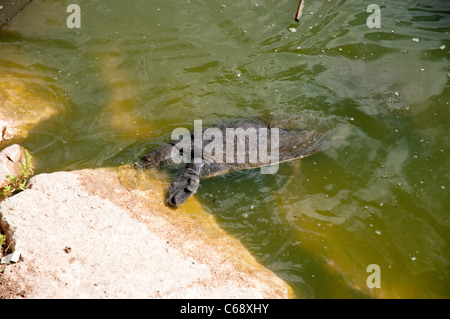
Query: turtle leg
{"points": [[185, 185]]}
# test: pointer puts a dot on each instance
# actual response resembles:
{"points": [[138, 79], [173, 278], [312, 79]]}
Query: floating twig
{"points": [[298, 14]]}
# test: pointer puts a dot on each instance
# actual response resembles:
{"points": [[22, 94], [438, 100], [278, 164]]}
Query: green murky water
{"points": [[136, 70]]}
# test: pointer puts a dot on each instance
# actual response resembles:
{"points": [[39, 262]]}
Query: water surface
{"points": [[136, 70]]}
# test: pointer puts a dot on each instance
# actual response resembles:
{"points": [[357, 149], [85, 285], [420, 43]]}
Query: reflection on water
{"points": [[135, 71]]}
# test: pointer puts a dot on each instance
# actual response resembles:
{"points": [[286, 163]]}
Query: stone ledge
{"points": [[83, 234]]}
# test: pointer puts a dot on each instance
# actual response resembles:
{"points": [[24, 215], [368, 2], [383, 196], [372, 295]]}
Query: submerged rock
{"points": [[22, 106], [7, 130]]}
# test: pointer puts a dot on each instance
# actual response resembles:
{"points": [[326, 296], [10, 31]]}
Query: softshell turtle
{"points": [[290, 145]]}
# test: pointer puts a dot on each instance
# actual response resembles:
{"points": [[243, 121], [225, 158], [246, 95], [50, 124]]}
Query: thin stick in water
{"points": [[298, 14]]}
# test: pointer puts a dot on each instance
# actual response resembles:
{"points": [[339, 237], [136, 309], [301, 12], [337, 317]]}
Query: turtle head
{"points": [[159, 157], [148, 160]]}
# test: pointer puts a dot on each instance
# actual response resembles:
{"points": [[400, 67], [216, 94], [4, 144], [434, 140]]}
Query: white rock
{"points": [[11, 258]]}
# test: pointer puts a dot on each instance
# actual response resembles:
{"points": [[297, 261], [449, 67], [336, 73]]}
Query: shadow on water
{"points": [[247, 205]]}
